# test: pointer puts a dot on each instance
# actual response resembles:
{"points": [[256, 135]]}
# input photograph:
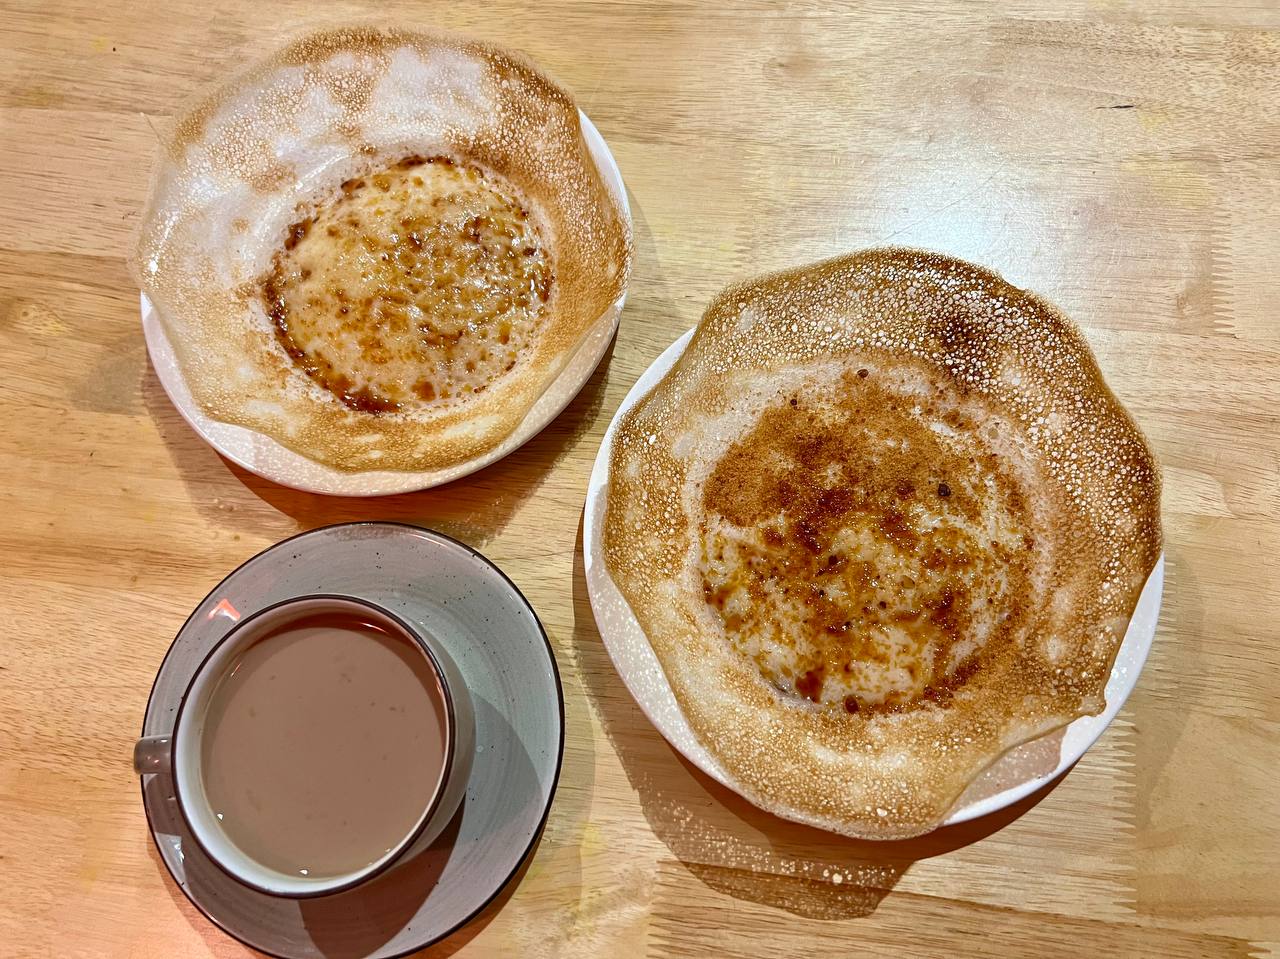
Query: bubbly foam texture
{"points": [[249, 163], [881, 522], [417, 285]]}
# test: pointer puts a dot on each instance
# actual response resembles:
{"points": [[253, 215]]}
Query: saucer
{"points": [[263, 456], [1016, 774], [501, 649]]}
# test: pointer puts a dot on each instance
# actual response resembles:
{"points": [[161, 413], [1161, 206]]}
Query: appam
{"points": [[380, 248], [881, 522]]}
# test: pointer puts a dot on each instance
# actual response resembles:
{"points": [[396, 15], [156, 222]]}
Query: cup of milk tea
{"points": [[321, 741]]}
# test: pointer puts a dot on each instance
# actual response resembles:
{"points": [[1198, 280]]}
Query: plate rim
{"points": [[1097, 724], [404, 481], [553, 786]]}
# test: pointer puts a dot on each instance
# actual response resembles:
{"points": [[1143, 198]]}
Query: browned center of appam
{"points": [[415, 285], [861, 557]]}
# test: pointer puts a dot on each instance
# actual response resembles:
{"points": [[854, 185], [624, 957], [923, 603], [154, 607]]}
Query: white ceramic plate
{"points": [[1016, 774], [262, 455]]}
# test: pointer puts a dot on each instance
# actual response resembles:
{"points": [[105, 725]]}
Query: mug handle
{"points": [[153, 754]]}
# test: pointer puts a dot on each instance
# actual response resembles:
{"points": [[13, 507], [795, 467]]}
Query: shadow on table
{"points": [[474, 509], [731, 845]]}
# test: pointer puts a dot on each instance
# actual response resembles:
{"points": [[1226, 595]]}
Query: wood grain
{"points": [[1120, 158]]}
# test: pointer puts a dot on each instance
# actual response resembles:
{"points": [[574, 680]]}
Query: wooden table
{"points": [[1119, 158]]}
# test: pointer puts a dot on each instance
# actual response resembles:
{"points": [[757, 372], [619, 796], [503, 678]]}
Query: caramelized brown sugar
{"points": [[855, 556], [416, 284], [881, 522]]}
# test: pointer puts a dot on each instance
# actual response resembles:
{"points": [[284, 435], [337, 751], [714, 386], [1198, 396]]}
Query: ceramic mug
{"points": [[178, 755]]}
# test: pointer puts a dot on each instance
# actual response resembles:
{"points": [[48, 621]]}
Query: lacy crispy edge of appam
{"points": [[240, 164], [998, 350]]}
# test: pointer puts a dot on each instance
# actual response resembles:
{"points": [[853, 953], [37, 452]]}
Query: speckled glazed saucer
{"points": [[1016, 774], [494, 636]]}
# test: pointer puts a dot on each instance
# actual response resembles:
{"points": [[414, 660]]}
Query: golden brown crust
{"points": [[284, 135], [881, 522]]}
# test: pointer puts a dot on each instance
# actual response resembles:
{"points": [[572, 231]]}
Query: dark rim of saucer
{"points": [[410, 838], [555, 778]]}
